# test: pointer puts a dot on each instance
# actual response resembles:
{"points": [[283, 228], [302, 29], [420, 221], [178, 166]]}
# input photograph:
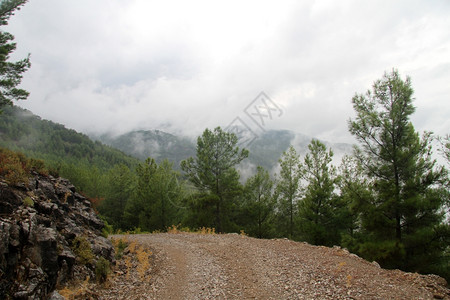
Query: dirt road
{"points": [[231, 266]]}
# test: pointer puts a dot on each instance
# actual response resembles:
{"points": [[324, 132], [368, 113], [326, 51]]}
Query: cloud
{"points": [[183, 66]]}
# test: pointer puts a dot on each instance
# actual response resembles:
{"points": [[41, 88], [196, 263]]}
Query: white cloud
{"points": [[183, 66]]}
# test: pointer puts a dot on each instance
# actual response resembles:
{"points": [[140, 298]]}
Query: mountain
{"points": [[65, 152], [151, 143], [265, 149], [21, 130]]}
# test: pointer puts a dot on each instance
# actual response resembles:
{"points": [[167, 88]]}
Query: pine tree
{"points": [[168, 193], [120, 189], [288, 191], [259, 204], [10, 72], [355, 194], [404, 219], [320, 208], [155, 202], [212, 172], [140, 211]]}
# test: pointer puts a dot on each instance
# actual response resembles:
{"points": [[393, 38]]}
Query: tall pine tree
{"points": [[154, 205], [259, 204], [120, 189], [288, 191], [212, 172], [404, 220], [320, 208]]}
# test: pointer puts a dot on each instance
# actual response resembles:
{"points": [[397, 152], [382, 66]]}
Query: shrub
{"points": [[143, 257], [207, 230], [102, 269], [173, 229], [107, 229], [82, 249], [28, 202], [38, 165], [119, 245], [13, 166]]}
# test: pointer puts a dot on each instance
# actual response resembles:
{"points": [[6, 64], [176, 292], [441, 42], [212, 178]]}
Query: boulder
{"points": [[36, 237]]}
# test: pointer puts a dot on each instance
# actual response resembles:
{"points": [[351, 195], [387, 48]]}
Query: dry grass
{"points": [[143, 257], [175, 229], [136, 257], [15, 167], [80, 290], [207, 230]]}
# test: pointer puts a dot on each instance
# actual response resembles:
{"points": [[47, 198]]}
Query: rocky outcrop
{"points": [[38, 224]]}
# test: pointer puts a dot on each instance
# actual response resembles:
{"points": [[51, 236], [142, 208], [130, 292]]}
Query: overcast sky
{"points": [[182, 66]]}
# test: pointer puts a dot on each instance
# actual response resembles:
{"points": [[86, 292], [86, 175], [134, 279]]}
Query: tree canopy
{"points": [[10, 72]]}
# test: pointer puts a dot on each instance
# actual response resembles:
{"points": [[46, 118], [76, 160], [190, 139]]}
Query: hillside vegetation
{"points": [[66, 152]]}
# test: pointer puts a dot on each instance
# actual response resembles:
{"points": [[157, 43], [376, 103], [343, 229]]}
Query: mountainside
{"points": [[152, 143], [20, 130], [265, 150], [23, 131]]}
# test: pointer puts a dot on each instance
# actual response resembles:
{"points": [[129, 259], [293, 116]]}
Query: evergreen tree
{"points": [[288, 191], [120, 189], [168, 193], [212, 172], [140, 211], [155, 204], [320, 208], [259, 204], [404, 218], [10, 72], [355, 194]]}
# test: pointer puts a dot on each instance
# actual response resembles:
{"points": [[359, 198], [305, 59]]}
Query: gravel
{"points": [[232, 266]]}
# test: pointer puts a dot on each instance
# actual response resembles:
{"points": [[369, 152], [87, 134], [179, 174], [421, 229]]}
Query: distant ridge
{"points": [[151, 143], [265, 150], [21, 130]]}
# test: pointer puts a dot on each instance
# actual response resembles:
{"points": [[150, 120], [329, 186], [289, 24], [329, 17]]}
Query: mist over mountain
{"points": [[265, 149], [22, 130], [157, 144]]}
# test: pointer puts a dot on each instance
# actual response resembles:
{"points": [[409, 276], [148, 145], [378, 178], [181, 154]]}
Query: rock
{"points": [[47, 189], [4, 243], [435, 278], [8, 200], [35, 242], [34, 286], [45, 208], [56, 296], [102, 247]]}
